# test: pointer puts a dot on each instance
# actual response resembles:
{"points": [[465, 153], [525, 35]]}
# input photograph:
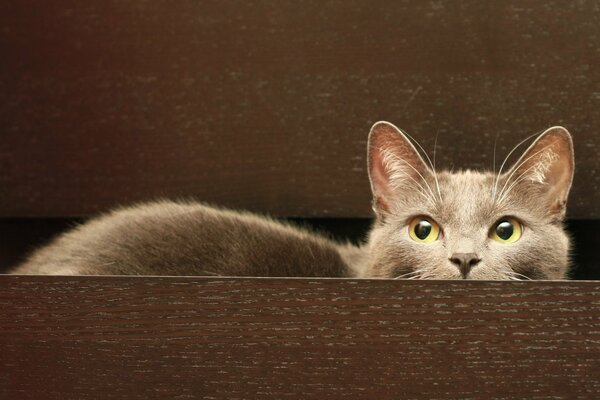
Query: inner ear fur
{"points": [[392, 161], [548, 163]]}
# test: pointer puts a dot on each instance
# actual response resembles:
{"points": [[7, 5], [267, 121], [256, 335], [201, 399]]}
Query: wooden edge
{"points": [[225, 338]]}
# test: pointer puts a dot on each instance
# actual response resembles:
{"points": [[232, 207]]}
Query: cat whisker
{"points": [[409, 275], [427, 276], [434, 168], [494, 158], [514, 275], [504, 193], [432, 165], [519, 179], [520, 276], [391, 159], [501, 195], [506, 160], [422, 191]]}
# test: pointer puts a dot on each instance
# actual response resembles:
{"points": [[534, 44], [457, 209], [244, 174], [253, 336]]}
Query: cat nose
{"points": [[465, 262]]}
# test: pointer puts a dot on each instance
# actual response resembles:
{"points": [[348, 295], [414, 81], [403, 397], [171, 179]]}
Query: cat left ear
{"points": [[548, 164], [394, 165]]}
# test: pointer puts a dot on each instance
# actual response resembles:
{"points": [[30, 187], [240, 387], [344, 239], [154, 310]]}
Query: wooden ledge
{"points": [[238, 338]]}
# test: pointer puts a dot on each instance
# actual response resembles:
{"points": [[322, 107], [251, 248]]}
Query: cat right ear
{"points": [[547, 166], [393, 163]]}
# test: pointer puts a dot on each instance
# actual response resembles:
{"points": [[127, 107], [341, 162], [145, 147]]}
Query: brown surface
{"points": [[266, 105], [140, 338]]}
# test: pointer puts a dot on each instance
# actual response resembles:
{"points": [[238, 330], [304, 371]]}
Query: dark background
{"points": [[266, 105]]}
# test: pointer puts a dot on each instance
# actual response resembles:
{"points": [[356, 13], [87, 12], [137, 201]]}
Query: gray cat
{"points": [[446, 225]]}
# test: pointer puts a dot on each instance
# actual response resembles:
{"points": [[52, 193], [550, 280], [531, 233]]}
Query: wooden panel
{"points": [[266, 105], [141, 338]]}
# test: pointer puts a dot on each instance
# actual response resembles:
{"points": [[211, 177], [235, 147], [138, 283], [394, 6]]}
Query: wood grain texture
{"points": [[142, 338], [266, 105]]}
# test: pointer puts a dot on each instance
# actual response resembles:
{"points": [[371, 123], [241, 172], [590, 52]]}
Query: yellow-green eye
{"points": [[506, 230], [423, 230]]}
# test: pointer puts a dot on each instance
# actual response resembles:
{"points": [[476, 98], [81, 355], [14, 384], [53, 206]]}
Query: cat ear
{"points": [[548, 164], [393, 163]]}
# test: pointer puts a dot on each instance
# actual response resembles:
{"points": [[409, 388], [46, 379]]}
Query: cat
{"points": [[428, 225]]}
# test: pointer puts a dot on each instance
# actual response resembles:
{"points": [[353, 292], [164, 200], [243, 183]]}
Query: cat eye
{"points": [[423, 230], [506, 230]]}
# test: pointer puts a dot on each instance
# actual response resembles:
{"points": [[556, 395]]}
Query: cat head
{"points": [[467, 224]]}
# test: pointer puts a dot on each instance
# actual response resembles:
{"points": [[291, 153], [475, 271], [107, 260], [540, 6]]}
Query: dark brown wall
{"points": [[266, 105]]}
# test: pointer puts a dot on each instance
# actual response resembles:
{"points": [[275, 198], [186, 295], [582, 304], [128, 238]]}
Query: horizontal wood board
{"points": [[266, 105], [213, 338]]}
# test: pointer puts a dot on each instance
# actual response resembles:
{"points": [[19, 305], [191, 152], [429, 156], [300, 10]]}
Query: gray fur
{"points": [[466, 205], [169, 238]]}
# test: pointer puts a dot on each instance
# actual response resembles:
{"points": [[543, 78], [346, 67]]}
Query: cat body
{"points": [[428, 225], [186, 238]]}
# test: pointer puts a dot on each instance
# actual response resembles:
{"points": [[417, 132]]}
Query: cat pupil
{"points": [[504, 230], [423, 229]]}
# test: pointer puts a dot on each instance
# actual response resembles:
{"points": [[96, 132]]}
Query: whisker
{"points": [[428, 159], [427, 275], [494, 156], [521, 164], [434, 168], [504, 194], [506, 159], [421, 190], [389, 158], [408, 275], [518, 276]]}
